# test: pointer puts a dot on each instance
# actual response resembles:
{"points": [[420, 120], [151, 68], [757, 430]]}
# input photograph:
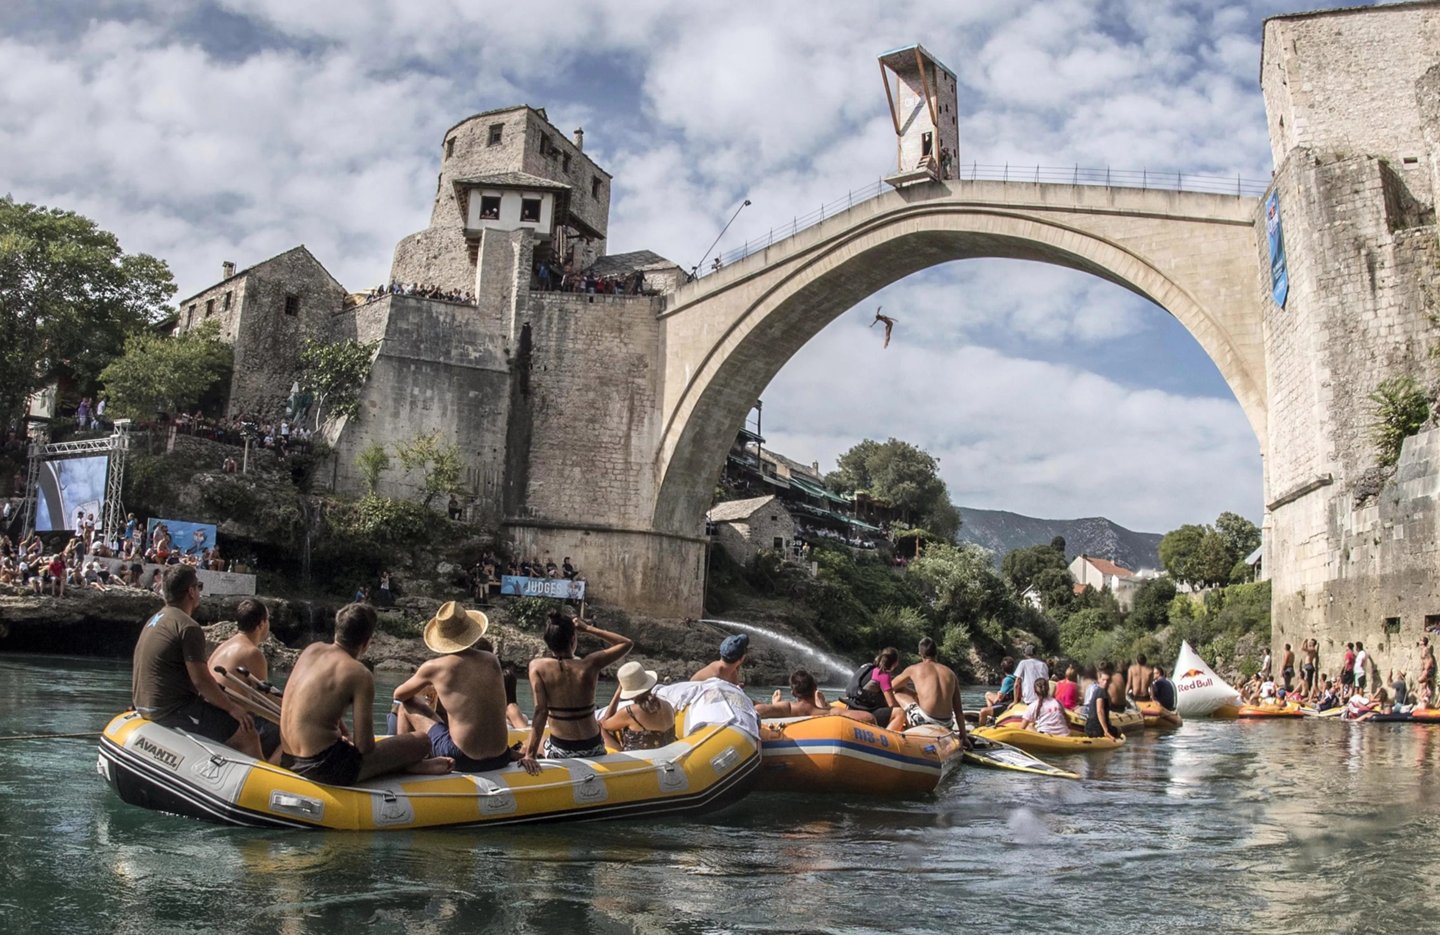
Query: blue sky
{"points": [[235, 129]]}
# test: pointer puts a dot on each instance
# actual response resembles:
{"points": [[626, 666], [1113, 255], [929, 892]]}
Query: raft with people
{"points": [[1034, 741], [833, 753], [713, 761]]}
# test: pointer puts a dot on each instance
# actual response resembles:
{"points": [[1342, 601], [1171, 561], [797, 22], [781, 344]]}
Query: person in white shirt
{"points": [[1361, 658], [1027, 672], [1045, 715]]}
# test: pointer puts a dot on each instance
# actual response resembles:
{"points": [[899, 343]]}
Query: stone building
{"points": [[1353, 103], [266, 311], [1101, 573], [744, 527], [503, 171]]}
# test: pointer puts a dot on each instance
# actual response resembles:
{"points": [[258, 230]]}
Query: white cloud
{"points": [[323, 127]]}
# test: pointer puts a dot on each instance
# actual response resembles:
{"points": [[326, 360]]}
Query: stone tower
{"points": [[1351, 99]]}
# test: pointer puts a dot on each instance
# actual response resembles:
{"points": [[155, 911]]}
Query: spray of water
{"points": [[826, 662]]}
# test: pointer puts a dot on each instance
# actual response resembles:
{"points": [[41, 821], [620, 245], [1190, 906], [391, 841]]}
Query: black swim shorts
{"points": [[338, 765], [199, 716]]}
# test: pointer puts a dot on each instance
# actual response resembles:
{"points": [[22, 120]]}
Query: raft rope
{"points": [[663, 766]]}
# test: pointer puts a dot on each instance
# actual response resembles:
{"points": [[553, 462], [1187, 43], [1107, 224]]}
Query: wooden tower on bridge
{"points": [[922, 95]]}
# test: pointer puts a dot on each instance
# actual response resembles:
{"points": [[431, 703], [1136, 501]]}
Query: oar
{"points": [[79, 734], [243, 690], [259, 684]]}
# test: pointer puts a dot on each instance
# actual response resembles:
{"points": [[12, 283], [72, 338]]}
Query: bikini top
{"points": [[571, 712]]}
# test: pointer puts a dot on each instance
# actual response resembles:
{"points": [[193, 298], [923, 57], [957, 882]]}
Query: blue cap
{"points": [[732, 648]]}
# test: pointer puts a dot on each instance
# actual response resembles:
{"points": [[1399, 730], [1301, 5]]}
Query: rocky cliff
{"points": [[1001, 531]]}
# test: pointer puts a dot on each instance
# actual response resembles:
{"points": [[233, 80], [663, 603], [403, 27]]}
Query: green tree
{"points": [[1056, 587], [69, 297], [439, 464], [1401, 410], [902, 475], [1021, 566], [160, 374], [335, 372], [1241, 537], [1178, 549], [372, 462], [1151, 609]]}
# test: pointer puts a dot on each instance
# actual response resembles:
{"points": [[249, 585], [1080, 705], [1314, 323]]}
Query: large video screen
{"points": [[69, 486], [186, 537]]}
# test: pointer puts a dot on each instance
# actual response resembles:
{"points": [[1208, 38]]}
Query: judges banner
{"points": [[1279, 276], [565, 589]]}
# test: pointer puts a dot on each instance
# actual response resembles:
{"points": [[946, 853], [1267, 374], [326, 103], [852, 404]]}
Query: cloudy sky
{"points": [[207, 130]]}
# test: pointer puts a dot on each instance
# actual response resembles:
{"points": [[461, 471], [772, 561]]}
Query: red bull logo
{"points": [[1191, 673]]}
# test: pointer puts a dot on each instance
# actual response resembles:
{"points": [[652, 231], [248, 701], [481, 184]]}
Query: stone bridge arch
{"points": [[725, 337]]}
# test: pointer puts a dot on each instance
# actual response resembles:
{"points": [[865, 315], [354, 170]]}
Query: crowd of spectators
{"points": [[482, 580], [551, 278], [463, 297], [88, 561]]}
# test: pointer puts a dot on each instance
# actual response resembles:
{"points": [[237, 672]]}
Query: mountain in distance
{"points": [[1001, 531]]}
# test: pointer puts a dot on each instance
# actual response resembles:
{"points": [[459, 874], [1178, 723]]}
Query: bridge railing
{"points": [[1025, 175]]}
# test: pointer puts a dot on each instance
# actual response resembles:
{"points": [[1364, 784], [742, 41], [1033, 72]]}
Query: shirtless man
{"points": [[329, 679], [1310, 653], [929, 693], [1287, 666], [808, 702], [470, 688], [1427, 667], [1138, 678], [252, 626], [727, 667]]}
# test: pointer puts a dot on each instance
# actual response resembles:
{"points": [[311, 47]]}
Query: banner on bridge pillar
{"points": [[1279, 277], [566, 589]]}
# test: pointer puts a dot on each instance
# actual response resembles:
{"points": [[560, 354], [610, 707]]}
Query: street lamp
{"points": [[695, 270]]}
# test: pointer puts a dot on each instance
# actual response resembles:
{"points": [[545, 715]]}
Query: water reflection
{"points": [[1279, 826]]}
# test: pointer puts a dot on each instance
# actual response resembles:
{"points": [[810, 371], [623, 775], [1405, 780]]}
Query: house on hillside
{"points": [[1101, 573], [744, 527]]}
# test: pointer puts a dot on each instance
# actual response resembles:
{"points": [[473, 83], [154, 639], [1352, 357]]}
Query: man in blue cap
{"points": [[727, 667]]}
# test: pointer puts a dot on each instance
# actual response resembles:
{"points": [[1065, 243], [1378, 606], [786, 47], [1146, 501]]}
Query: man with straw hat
{"points": [[470, 690]]}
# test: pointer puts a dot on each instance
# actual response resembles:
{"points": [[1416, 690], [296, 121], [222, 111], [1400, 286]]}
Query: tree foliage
{"points": [[335, 372], [1021, 566], [159, 374], [438, 462], [1241, 537], [1401, 410], [1205, 556], [69, 297], [373, 461], [903, 475]]}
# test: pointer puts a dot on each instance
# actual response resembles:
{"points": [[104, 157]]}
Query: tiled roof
{"points": [[513, 180], [1107, 567], [619, 264]]}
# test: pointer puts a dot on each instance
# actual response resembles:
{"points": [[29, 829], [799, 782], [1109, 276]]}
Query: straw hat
{"points": [[454, 628], [635, 680]]}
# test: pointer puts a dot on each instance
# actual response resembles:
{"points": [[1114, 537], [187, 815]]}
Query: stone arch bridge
{"points": [[718, 341]]}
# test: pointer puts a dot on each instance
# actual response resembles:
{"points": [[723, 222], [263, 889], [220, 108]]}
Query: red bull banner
{"points": [[1198, 690]]}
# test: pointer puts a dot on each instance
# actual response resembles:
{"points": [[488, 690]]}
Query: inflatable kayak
{"points": [[831, 753], [993, 754], [1415, 716], [1036, 742], [1124, 721], [712, 764], [1157, 716], [1269, 710]]}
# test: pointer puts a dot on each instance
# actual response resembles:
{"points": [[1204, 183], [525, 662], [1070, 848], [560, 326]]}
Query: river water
{"points": [[1250, 826]]}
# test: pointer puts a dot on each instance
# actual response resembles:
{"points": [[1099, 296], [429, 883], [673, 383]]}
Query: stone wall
{"points": [[743, 539], [443, 367], [1344, 81], [1355, 148]]}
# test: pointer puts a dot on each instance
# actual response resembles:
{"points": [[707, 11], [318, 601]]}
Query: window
{"points": [[779, 544], [594, 186], [226, 303], [927, 143], [1392, 626], [565, 161], [497, 132], [450, 147], [530, 210], [544, 145], [1432, 623], [209, 307], [292, 304], [489, 207], [192, 312]]}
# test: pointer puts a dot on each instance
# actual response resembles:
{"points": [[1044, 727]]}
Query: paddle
{"points": [[256, 683], [250, 698]]}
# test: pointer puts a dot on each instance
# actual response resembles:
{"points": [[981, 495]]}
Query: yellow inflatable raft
{"points": [[1123, 721], [1036, 742], [1157, 716], [836, 754], [712, 764]]}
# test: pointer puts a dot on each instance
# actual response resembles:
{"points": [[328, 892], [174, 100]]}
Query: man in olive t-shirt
{"points": [[171, 683]]}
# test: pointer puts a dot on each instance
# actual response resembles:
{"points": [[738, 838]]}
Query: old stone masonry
{"points": [[594, 424]]}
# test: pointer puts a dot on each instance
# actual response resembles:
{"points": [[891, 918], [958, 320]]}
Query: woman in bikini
{"points": [[564, 688], [648, 723]]}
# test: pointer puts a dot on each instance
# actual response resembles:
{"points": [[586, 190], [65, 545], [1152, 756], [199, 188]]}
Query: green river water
{"points": [[1297, 826]]}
